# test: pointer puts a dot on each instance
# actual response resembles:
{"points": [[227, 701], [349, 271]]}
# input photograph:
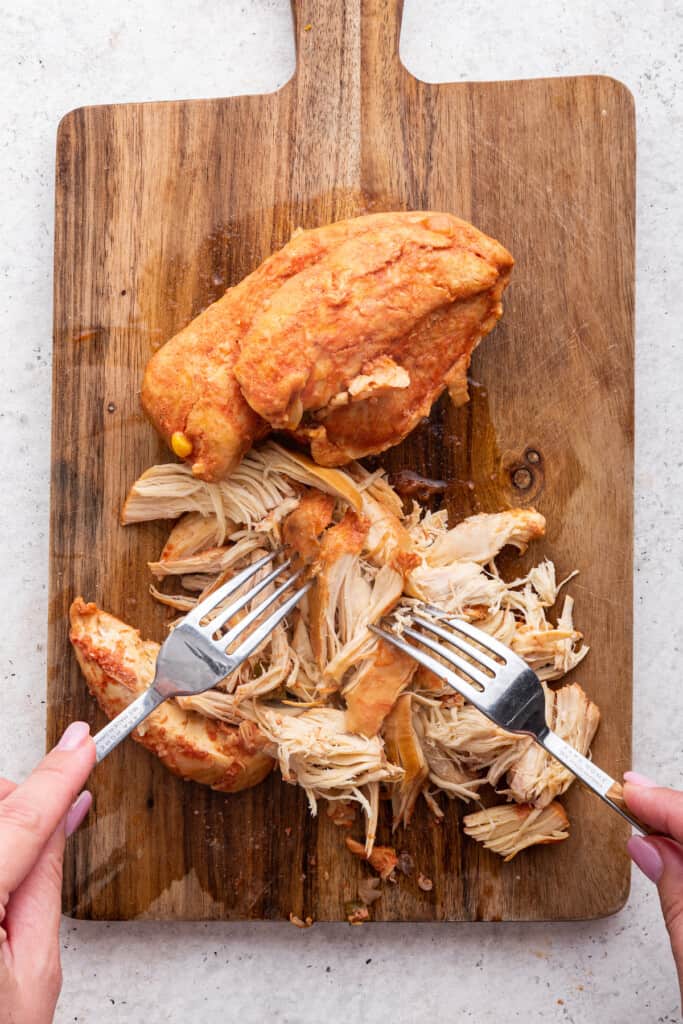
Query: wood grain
{"points": [[159, 207]]}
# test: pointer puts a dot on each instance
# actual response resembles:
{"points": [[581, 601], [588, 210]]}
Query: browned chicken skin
{"points": [[346, 335], [353, 325], [118, 666]]}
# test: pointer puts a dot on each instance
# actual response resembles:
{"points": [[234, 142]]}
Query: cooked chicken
{"points": [[302, 528], [339, 711], [404, 748], [339, 553], [480, 538], [190, 391], [372, 693], [447, 773], [509, 828], [538, 778], [352, 351], [395, 301], [118, 666], [315, 750], [382, 858], [192, 533], [551, 652], [468, 739], [265, 480], [210, 560], [435, 355]]}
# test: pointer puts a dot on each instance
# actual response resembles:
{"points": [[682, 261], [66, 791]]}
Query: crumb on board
{"points": [[356, 912], [383, 858], [298, 923], [425, 883]]}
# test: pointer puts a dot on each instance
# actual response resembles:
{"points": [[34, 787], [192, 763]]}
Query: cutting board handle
{"points": [[332, 33]]}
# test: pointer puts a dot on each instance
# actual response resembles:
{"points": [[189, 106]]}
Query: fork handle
{"points": [[124, 723], [600, 782]]}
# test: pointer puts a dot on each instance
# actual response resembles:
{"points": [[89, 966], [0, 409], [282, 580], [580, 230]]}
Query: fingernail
{"points": [[73, 736], [77, 812], [647, 857], [636, 779]]}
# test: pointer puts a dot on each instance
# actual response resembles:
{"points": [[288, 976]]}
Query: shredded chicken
{"points": [[509, 828], [537, 777], [340, 712], [404, 748], [314, 750]]}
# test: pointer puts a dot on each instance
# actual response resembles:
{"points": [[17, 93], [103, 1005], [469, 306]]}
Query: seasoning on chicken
{"points": [[118, 666], [303, 526], [404, 748], [372, 693], [509, 828], [352, 351], [190, 391], [347, 334]]}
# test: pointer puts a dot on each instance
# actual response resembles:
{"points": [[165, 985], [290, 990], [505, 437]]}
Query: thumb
{"points": [[662, 861], [35, 910]]}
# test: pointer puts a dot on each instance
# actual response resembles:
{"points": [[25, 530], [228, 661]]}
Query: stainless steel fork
{"points": [[195, 657], [503, 687]]}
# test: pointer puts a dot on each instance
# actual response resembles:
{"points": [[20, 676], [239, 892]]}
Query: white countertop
{"points": [[58, 56]]}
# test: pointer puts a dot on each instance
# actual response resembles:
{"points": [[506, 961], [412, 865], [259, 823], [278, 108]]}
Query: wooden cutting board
{"points": [[161, 206]]}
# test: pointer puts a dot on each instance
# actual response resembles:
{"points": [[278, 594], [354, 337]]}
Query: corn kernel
{"points": [[181, 445]]}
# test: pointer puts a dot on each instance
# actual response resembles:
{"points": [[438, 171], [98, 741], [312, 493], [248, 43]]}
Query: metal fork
{"points": [[192, 659], [503, 687]]}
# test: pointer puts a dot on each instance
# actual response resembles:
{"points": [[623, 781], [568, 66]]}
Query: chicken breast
{"points": [[360, 324], [189, 388], [118, 666], [352, 351]]}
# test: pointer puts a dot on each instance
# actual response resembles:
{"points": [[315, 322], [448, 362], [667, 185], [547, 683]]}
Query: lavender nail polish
{"points": [[73, 736], [647, 857], [77, 812]]}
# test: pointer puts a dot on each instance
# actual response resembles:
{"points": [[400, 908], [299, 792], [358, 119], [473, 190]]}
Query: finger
{"points": [[660, 808], [662, 861], [37, 884], [30, 814], [34, 913], [6, 787], [32, 927]]}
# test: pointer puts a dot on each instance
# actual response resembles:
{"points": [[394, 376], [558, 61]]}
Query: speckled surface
{"points": [[58, 56]]}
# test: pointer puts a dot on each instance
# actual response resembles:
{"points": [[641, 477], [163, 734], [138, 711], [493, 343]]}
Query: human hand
{"points": [[35, 819], [659, 858]]}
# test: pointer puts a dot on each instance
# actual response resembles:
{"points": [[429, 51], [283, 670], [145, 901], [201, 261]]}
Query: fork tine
{"points": [[485, 639], [209, 603], [449, 656], [256, 638], [224, 642], [457, 682], [236, 606], [461, 645]]}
